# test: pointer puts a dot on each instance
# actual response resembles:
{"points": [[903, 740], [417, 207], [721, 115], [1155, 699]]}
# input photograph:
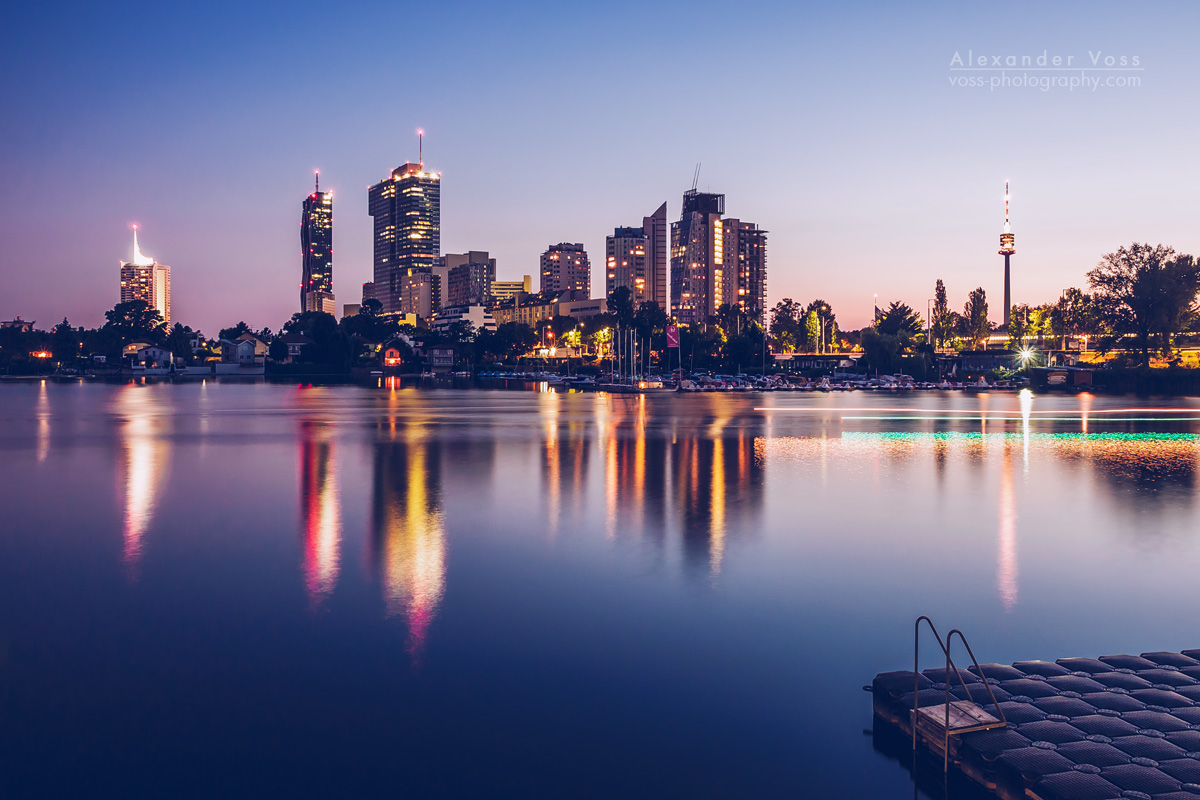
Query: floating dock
{"points": [[1075, 729]]}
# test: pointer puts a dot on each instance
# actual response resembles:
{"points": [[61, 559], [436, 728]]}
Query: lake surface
{"points": [[250, 590]]}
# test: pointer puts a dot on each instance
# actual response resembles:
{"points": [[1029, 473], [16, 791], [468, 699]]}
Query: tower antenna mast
{"points": [[317, 173], [1008, 247], [421, 147]]}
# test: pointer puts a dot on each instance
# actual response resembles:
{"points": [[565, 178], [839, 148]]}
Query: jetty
{"points": [[1116, 726]]}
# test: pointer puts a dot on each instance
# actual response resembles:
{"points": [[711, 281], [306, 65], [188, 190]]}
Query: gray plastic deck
{"points": [[1118, 726]]}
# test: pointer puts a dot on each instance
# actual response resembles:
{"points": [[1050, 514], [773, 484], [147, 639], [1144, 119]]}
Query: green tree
{"points": [[237, 330], [64, 343], [942, 324], [621, 306], [1018, 325], [827, 320], [1148, 292], [786, 333], [974, 325], [135, 319], [899, 318], [179, 341], [812, 332]]}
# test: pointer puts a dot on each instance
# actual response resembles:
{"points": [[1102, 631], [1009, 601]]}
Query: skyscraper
{"points": [[316, 248], [746, 250], [406, 208], [698, 258], [565, 268], [715, 261], [143, 278], [657, 257], [626, 257]]}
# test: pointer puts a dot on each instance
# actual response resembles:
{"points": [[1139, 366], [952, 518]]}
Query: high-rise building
{"points": [[143, 278], [406, 208], [467, 278], [565, 268], [715, 261], [698, 258], [658, 257], [316, 249], [626, 262], [417, 295], [507, 290], [746, 247]]}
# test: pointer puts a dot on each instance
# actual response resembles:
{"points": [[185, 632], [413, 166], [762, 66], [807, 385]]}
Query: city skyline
{"points": [[874, 178]]}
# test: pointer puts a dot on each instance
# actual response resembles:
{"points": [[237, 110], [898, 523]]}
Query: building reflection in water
{"points": [[43, 423], [145, 449], [320, 509], [700, 479], [566, 446], [408, 541], [1006, 558]]}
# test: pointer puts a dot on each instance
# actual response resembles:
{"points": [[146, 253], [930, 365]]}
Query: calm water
{"points": [[228, 590]]}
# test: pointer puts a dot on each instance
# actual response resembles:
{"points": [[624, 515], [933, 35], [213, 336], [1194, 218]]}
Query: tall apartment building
{"points": [[626, 256], [715, 261], [467, 278], [746, 249], [316, 252], [658, 256], [143, 278], [565, 267], [406, 210]]}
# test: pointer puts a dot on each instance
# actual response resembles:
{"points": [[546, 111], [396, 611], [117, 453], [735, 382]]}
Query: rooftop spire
{"points": [[140, 260], [1007, 227], [317, 173]]}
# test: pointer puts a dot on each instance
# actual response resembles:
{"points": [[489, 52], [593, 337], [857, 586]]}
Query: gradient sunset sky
{"points": [[834, 126]]}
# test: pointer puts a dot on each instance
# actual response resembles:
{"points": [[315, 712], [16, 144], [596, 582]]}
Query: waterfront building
{"points": [[143, 278], [746, 252], [565, 267], [477, 315], [698, 258], [17, 324], [406, 212], [582, 308], [316, 251], [626, 263], [715, 261], [529, 309], [637, 259], [468, 278], [417, 294], [506, 290]]}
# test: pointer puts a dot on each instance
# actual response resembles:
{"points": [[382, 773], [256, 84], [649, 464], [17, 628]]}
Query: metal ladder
{"points": [[945, 646]]}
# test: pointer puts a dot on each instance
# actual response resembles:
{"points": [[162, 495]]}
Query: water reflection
{"points": [[145, 450], [43, 423], [408, 541], [1006, 558], [320, 509], [702, 481]]}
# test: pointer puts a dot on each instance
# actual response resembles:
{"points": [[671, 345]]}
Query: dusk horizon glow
{"points": [[836, 130]]}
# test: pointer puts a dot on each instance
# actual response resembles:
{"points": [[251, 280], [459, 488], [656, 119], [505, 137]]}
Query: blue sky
{"points": [[834, 126]]}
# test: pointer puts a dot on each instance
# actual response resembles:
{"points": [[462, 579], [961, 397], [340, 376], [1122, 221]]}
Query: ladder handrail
{"points": [[945, 647]]}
